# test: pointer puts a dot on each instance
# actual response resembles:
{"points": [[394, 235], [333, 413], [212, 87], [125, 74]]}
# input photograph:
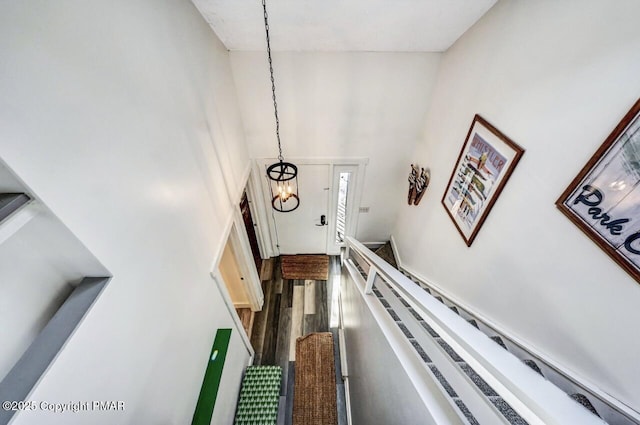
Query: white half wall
{"points": [[556, 77], [122, 118], [381, 390], [341, 105]]}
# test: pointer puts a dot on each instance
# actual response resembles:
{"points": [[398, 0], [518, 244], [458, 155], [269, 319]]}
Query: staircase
{"points": [[386, 253], [428, 344], [417, 332], [581, 395]]}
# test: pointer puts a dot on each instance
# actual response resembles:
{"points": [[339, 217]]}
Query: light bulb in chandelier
{"points": [[284, 193]]}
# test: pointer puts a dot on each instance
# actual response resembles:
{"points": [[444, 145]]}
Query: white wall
{"points": [[556, 77], [337, 105], [121, 116]]}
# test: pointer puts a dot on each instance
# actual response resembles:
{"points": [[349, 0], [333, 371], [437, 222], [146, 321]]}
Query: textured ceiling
{"points": [[343, 25]]}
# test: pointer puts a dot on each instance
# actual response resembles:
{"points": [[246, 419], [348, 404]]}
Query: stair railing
{"points": [[535, 399]]}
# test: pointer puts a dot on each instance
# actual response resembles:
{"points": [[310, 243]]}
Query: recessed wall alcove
{"points": [[48, 281]]}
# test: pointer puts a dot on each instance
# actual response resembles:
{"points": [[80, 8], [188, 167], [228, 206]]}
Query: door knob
{"points": [[323, 220]]}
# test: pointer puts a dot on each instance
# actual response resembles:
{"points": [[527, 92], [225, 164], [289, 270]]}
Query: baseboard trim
{"points": [[394, 247]]}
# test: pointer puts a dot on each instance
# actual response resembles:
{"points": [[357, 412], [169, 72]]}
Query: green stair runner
{"points": [[259, 396]]}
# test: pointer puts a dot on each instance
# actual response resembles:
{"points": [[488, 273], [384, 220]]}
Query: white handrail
{"points": [[537, 400]]}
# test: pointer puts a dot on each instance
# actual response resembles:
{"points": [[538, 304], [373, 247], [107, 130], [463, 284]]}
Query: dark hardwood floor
{"points": [[294, 308]]}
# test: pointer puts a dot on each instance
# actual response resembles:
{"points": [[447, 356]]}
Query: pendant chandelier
{"points": [[283, 176]]}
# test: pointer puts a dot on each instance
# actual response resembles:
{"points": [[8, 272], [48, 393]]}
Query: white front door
{"points": [[301, 231]]}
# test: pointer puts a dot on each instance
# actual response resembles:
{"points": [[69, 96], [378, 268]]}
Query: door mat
{"points": [[259, 396], [314, 389], [306, 266]]}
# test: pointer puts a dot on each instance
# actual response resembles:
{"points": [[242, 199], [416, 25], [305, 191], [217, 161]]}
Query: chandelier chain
{"points": [[273, 83]]}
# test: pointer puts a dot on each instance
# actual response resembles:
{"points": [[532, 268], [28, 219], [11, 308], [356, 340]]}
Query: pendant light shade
{"points": [[283, 176]]}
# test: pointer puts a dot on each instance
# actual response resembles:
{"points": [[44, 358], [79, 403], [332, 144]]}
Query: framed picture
{"points": [[604, 198], [486, 162]]}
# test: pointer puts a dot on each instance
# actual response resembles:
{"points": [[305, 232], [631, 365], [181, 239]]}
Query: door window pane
{"points": [[341, 216]]}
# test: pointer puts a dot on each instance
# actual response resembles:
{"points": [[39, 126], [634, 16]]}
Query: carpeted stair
{"points": [[386, 253]]}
